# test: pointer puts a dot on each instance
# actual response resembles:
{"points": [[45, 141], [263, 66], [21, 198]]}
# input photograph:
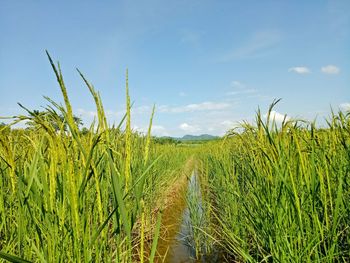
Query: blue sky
{"points": [[205, 64]]}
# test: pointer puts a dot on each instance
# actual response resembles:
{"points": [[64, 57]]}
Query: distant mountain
{"points": [[202, 137], [186, 138]]}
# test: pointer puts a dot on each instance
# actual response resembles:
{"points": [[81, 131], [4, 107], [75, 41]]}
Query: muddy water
{"points": [[175, 244], [180, 249]]}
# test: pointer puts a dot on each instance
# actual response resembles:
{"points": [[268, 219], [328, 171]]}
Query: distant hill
{"points": [[202, 137], [186, 138]]}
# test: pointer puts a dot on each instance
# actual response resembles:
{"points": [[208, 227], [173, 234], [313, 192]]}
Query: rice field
{"points": [[266, 193], [281, 194]]}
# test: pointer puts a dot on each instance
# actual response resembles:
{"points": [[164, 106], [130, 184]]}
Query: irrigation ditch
{"points": [[184, 224]]}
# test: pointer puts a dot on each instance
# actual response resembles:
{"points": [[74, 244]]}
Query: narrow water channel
{"points": [[184, 226], [180, 248]]}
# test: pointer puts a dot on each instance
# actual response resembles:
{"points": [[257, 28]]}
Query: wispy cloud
{"points": [[157, 130], [330, 69], [138, 110], [87, 113], [189, 128], [259, 44], [345, 106], [182, 94], [300, 70], [262, 97], [228, 124], [237, 84], [204, 106], [142, 109], [339, 18], [278, 117], [240, 88]]}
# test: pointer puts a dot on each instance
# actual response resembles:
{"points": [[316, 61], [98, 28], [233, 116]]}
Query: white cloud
{"points": [[141, 109], [158, 127], [110, 113], [278, 117], [159, 130], [189, 128], [330, 69], [137, 128], [228, 124], [182, 94], [87, 113], [300, 70], [145, 110], [204, 106], [345, 106]]}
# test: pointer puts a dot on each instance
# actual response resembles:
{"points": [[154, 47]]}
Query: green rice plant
{"points": [[68, 196], [279, 192], [197, 220]]}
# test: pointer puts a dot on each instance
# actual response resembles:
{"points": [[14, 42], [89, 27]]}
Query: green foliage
{"points": [[280, 193], [268, 193], [75, 196], [165, 140], [57, 121]]}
